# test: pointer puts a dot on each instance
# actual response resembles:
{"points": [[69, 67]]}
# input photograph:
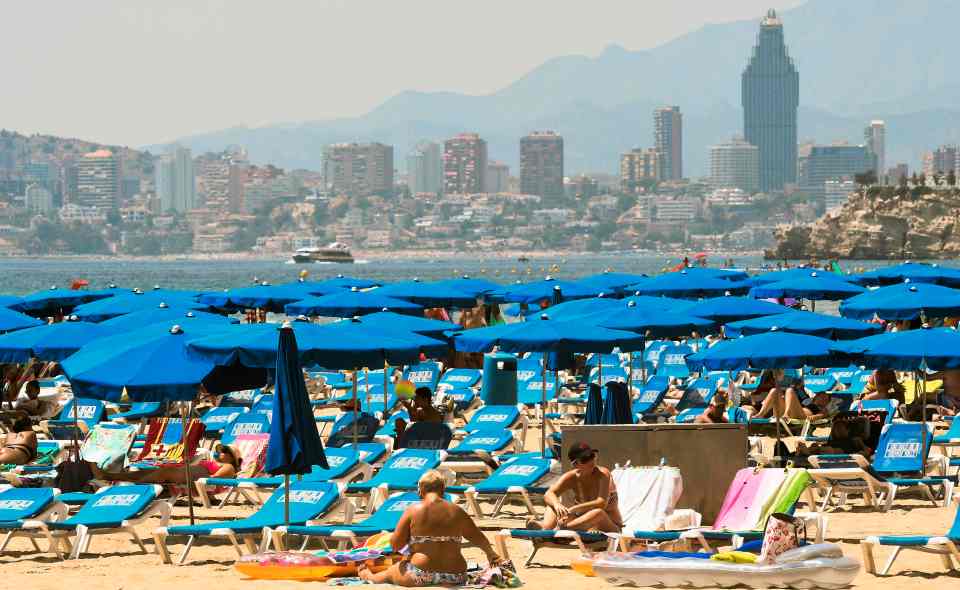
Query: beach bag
{"points": [[73, 476], [782, 533]]}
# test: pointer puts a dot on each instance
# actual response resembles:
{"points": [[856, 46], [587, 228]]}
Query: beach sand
{"points": [[117, 564]]}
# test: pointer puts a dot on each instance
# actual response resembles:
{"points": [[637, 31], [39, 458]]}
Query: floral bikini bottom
{"points": [[425, 578]]}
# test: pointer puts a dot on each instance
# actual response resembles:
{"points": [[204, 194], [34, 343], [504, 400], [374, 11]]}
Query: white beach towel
{"points": [[647, 497]]}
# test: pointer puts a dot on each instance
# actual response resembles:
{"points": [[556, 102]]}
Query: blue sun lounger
{"points": [[20, 504], [945, 546], [248, 423], [216, 419], [497, 418], [345, 466], [673, 361], [478, 451], [88, 411], [384, 519], [400, 472], [651, 396], [118, 508], [530, 390], [308, 500], [819, 383], [423, 375], [457, 378], [240, 399], [523, 476], [463, 398]]}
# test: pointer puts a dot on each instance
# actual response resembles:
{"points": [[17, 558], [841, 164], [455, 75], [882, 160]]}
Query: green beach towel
{"points": [[786, 496]]}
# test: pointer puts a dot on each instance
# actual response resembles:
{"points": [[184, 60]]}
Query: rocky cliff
{"points": [[880, 223]]}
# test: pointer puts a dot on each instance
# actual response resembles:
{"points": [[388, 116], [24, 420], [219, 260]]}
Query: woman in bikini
{"points": [[595, 496], [20, 445], [430, 533], [225, 463]]}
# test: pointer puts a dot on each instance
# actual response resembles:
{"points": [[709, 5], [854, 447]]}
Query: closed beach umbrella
{"points": [[816, 286], [351, 303], [594, 413], [13, 320], [803, 322], [49, 342], [731, 309], [905, 301], [54, 300], [429, 294], [133, 301], [294, 446], [771, 350], [616, 408], [915, 272]]}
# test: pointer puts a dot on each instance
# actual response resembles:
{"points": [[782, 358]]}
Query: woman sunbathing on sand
{"points": [[431, 532]]}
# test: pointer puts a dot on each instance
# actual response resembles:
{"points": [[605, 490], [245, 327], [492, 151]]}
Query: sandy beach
{"points": [[116, 562]]}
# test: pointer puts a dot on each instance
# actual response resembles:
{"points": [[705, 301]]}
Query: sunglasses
{"points": [[587, 459]]}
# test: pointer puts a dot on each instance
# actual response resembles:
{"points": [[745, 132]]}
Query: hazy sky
{"points": [[144, 71]]}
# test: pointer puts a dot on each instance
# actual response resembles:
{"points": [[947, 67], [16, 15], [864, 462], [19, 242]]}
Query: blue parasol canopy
{"points": [[133, 301], [546, 335], [937, 349], [915, 272], [351, 303], [651, 323], [343, 282], [166, 314], [266, 296], [687, 284], [9, 300], [611, 281], [905, 301], [429, 294], [13, 320], [770, 350], [471, 286], [294, 446], [579, 307], [54, 299], [396, 322], [803, 322], [49, 342], [731, 309], [341, 345], [816, 286], [775, 276], [545, 290]]}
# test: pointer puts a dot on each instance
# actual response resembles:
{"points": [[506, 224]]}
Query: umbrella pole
{"points": [[923, 431], [366, 379], [386, 366], [355, 409], [186, 462], [286, 499], [543, 408]]}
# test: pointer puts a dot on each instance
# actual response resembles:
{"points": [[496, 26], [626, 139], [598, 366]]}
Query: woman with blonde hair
{"points": [[429, 535]]}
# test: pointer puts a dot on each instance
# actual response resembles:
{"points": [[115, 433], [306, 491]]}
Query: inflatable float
{"points": [[812, 566], [317, 565]]}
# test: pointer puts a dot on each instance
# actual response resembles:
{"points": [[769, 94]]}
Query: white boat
{"points": [[334, 252]]}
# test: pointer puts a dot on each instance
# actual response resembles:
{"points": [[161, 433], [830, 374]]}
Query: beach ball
{"points": [[405, 389]]}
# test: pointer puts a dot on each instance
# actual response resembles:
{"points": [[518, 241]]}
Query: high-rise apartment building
{"points": [[425, 168], [220, 179], [98, 180], [638, 167], [359, 169], [875, 138], [770, 93], [37, 198], [820, 163], [735, 164], [498, 177], [464, 164], [836, 193], [541, 164], [668, 141], [942, 161], [175, 181]]}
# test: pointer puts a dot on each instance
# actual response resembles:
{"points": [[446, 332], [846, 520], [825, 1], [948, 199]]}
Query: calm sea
{"points": [[24, 275]]}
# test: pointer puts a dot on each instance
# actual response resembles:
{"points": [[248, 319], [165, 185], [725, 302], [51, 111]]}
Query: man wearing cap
{"points": [[593, 492]]}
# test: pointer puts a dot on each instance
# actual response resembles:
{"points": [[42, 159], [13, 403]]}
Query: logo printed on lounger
{"points": [[673, 359], [218, 418], [402, 505], [15, 504], [420, 376], [483, 440], [650, 395], [458, 378], [116, 500], [902, 450], [409, 463], [492, 418], [84, 412], [525, 375], [538, 385], [247, 428], [335, 460], [520, 470], [305, 496]]}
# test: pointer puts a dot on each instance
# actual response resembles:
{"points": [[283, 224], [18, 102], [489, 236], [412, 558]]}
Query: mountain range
{"points": [[858, 60]]}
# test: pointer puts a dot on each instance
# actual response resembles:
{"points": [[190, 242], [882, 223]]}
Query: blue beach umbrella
{"points": [[770, 350], [650, 323], [816, 286], [133, 301], [9, 300], [429, 294], [266, 296], [580, 307], [803, 322], [775, 276], [396, 322], [472, 286], [937, 349], [731, 309], [11, 320], [545, 290], [351, 303], [686, 284], [294, 446], [546, 335], [915, 272], [612, 281], [171, 315], [594, 412], [49, 342], [55, 300], [905, 301], [344, 282]]}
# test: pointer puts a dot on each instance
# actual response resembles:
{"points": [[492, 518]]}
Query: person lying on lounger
{"points": [[429, 534], [20, 444], [594, 492], [225, 463]]}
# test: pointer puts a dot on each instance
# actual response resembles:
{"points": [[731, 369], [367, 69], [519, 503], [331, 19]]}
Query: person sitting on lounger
{"points": [[883, 384], [842, 441], [716, 412], [420, 409], [595, 496], [430, 534], [20, 445], [225, 463], [950, 401], [784, 400]]}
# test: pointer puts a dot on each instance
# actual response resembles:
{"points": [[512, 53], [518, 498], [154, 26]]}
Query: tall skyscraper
{"points": [[498, 175], [668, 141], [98, 180], [175, 181], [464, 164], [875, 138], [942, 161], [425, 168], [637, 167], [735, 164], [820, 163], [541, 164], [770, 93], [359, 169]]}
